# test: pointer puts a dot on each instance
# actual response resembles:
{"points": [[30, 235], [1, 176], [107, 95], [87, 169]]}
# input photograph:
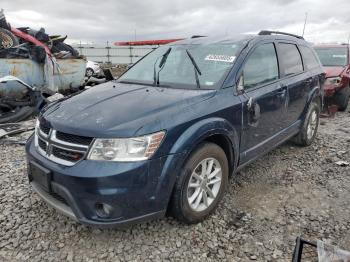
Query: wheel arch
{"points": [[315, 95], [215, 130]]}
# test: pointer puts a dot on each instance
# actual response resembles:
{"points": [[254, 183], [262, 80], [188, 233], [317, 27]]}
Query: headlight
{"points": [[126, 149], [333, 80]]}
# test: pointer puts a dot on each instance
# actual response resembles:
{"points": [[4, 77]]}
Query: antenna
{"points": [[304, 24]]}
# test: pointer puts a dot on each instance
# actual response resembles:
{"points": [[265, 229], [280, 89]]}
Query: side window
{"points": [[290, 59], [261, 66], [310, 60]]}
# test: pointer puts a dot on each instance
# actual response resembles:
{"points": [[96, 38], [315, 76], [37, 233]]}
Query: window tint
{"points": [[261, 66], [290, 59], [310, 60]]}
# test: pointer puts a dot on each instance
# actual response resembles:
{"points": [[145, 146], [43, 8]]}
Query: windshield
{"points": [[332, 56], [175, 69]]}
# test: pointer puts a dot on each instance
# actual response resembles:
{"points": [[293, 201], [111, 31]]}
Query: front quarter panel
{"points": [[183, 147]]}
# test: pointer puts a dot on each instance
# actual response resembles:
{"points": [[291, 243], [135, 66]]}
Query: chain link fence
{"points": [[108, 53]]}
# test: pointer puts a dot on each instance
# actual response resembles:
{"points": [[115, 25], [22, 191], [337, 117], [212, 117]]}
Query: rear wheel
{"points": [[201, 184], [89, 72], [309, 127]]}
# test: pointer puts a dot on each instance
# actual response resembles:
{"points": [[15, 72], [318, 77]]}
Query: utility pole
{"points": [[108, 53], [304, 24], [80, 48]]}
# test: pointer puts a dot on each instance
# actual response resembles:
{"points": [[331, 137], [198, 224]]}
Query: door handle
{"points": [[308, 81], [282, 89]]}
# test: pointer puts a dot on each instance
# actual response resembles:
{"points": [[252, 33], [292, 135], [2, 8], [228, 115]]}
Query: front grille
{"points": [[83, 140], [62, 148], [45, 129], [42, 144], [66, 154]]}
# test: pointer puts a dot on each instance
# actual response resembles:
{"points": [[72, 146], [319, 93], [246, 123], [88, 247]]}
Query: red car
{"points": [[336, 62]]}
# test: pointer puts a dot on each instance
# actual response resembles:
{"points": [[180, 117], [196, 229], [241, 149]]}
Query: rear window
{"points": [[310, 60], [290, 59], [332, 56]]}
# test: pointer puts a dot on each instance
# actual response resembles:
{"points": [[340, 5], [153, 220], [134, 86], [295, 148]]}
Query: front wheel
{"points": [[201, 184], [342, 98], [309, 127]]}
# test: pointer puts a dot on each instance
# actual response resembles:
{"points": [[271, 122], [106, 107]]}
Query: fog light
{"points": [[103, 210]]}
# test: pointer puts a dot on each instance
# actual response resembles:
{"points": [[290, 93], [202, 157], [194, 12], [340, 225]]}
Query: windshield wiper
{"points": [[196, 71], [161, 64]]}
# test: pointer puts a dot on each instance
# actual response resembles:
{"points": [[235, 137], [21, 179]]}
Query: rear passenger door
{"points": [[295, 78]]}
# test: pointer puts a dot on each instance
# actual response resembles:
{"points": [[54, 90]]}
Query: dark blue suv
{"points": [[166, 136]]}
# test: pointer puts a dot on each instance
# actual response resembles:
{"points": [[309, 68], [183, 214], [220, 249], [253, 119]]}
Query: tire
{"points": [[17, 114], [7, 39], [342, 98], [308, 130], [89, 72], [180, 206]]}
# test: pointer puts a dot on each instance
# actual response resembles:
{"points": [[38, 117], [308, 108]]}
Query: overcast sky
{"points": [[102, 20]]}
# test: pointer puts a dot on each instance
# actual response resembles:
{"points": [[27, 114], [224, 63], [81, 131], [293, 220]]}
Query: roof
{"points": [[227, 39]]}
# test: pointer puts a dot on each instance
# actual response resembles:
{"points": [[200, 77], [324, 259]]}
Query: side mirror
{"points": [[240, 85]]}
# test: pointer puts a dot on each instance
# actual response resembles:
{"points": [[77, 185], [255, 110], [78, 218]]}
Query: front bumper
{"points": [[136, 191], [331, 89]]}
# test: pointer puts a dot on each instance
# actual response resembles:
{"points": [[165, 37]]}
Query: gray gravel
{"points": [[291, 191]]}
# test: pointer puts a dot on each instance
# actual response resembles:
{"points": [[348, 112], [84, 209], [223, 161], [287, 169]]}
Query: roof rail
{"points": [[267, 32]]}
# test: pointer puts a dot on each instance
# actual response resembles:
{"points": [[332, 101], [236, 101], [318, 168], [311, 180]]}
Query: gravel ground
{"points": [[292, 191]]}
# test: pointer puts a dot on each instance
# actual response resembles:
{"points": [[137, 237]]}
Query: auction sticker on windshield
{"points": [[220, 58]]}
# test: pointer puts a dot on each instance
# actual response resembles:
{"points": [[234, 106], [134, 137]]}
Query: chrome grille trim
{"points": [[52, 141], [64, 143]]}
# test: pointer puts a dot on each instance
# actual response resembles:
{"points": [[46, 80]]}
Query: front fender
{"points": [[185, 144]]}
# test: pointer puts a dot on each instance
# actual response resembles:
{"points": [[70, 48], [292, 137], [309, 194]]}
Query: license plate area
{"points": [[40, 175]]}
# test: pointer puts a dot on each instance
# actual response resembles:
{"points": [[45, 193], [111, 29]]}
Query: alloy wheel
{"points": [[311, 128], [204, 184], [89, 72]]}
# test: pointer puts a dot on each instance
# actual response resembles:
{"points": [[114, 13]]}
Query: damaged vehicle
{"points": [[167, 135], [34, 66], [336, 62]]}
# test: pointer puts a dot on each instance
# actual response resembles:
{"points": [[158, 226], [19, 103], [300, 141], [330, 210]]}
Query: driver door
{"points": [[263, 101]]}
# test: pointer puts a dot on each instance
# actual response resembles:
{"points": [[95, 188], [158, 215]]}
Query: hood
{"points": [[333, 71], [119, 109]]}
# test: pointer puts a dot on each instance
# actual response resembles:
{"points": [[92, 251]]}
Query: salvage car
{"points": [[336, 61], [93, 69], [167, 135]]}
